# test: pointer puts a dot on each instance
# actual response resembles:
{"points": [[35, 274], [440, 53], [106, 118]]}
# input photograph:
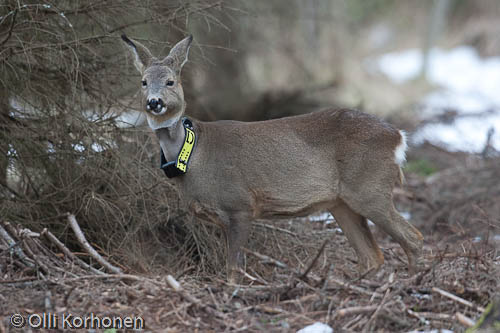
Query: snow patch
{"points": [[478, 239], [78, 147], [468, 134], [405, 215], [317, 327], [323, 217], [468, 85], [400, 67], [421, 296]]}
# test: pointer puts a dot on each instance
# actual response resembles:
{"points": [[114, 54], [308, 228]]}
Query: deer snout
{"points": [[155, 105]]}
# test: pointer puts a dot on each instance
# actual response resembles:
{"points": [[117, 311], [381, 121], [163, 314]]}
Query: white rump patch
{"points": [[400, 152]]}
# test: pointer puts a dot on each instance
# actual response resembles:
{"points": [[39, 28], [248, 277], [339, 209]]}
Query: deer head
{"points": [[163, 97]]}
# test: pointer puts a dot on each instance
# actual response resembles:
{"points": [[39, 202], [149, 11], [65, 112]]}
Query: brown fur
{"points": [[336, 160]]}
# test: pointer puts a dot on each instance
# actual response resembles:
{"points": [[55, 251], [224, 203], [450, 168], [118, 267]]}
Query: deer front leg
{"points": [[237, 233]]}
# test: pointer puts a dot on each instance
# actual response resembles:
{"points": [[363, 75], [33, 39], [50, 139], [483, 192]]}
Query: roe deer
{"points": [[343, 161]]}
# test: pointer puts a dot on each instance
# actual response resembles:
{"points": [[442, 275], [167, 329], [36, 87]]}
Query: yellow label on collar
{"points": [[187, 148]]}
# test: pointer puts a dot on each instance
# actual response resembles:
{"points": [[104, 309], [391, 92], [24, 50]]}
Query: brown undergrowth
{"points": [[296, 273]]}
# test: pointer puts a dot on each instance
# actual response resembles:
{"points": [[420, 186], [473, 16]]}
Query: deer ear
{"points": [[142, 56], [178, 55]]}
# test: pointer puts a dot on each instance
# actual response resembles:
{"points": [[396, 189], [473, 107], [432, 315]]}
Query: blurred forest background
{"points": [[73, 139]]}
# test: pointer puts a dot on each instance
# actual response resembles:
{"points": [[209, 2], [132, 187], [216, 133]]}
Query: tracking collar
{"points": [[179, 166]]}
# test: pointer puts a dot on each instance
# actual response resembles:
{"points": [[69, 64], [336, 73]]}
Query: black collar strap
{"points": [[179, 166]]}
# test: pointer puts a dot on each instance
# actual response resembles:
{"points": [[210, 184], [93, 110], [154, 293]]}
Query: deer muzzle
{"points": [[155, 105]]}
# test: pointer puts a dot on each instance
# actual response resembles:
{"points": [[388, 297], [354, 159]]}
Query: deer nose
{"points": [[155, 105]]}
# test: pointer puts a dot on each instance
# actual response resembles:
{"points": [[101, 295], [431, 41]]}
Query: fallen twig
{"points": [[175, 285], [14, 246], [268, 259], [313, 262], [377, 312], [303, 276], [50, 236], [436, 316], [422, 316], [263, 225], [268, 309], [109, 276], [354, 288], [457, 299], [248, 276], [356, 310], [464, 320], [35, 257], [83, 241]]}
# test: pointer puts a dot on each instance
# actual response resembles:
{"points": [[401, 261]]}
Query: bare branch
{"points": [[457, 299], [90, 250], [50, 236]]}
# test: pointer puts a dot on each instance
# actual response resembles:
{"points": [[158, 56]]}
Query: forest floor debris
{"points": [[297, 274]]}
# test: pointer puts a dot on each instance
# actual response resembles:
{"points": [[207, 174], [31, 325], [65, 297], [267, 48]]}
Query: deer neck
{"points": [[171, 139]]}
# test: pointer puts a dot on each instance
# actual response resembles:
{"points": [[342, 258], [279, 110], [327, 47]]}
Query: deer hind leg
{"points": [[237, 233], [409, 237], [356, 229], [380, 209]]}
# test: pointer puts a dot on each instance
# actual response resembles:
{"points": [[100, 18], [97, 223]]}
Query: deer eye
{"points": [[170, 83], [144, 83]]}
